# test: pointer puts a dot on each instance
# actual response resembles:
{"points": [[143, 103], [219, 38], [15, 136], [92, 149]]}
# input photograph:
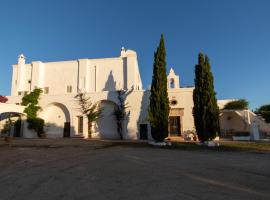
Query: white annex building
{"points": [[100, 79]]}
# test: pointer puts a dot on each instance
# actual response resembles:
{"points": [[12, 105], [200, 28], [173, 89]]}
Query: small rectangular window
{"points": [[46, 90], [80, 124], [69, 89], [22, 93]]}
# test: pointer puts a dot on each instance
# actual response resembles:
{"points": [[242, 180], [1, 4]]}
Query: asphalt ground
{"points": [[64, 169]]}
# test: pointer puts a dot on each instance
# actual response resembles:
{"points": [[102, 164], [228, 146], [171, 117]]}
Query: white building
{"points": [[99, 78]]}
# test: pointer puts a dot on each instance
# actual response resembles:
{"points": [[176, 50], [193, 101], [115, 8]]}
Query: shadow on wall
{"points": [[122, 95], [110, 84], [142, 123], [125, 72], [107, 124], [19, 127], [53, 130]]}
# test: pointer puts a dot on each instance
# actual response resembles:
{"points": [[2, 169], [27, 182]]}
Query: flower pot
{"points": [[43, 136], [8, 139]]}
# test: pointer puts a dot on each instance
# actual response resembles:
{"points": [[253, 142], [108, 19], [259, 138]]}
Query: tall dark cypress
{"points": [[197, 98], [158, 111], [205, 110]]}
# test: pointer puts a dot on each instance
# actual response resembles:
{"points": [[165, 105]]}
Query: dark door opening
{"points": [[17, 128], [174, 126], [66, 129], [143, 132]]}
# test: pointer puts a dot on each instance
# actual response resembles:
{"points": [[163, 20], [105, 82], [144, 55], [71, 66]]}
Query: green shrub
{"points": [[37, 125], [31, 102], [264, 111], [240, 104], [7, 127]]}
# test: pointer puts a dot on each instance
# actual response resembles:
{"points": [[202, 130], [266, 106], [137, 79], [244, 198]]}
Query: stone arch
{"points": [[57, 118], [5, 115], [17, 121], [106, 125]]}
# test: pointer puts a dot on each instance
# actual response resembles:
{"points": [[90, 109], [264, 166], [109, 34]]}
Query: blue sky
{"points": [[234, 33]]}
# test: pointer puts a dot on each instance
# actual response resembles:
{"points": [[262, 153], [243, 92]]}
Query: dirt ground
{"points": [[98, 170]]}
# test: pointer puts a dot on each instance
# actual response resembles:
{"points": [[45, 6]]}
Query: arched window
{"points": [[172, 83]]}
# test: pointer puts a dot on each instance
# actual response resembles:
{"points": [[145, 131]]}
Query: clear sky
{"points": [[234, 33]]}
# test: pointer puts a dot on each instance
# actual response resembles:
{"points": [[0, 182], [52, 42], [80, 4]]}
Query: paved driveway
{"points": [[131, 172]]}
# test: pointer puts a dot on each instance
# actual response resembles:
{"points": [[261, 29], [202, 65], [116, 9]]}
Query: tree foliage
{"points": [[158, 111], [36, 124], [90, 110], [241, 104], [31, 102], [120, 112], [205, 110], [264, 111]]}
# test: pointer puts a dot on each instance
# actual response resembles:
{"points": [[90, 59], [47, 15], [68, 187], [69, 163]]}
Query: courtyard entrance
{"points": [[57, 120]]}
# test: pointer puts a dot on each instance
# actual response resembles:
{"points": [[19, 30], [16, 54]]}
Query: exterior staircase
{"points": [[250, 117]]}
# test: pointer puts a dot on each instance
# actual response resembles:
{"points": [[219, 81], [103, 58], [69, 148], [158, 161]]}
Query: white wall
{"points": [[89, 75], [109, 73], [58, 75]]}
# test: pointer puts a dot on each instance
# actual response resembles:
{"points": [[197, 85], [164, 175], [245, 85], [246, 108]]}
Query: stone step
{"points": [[77, 136]]}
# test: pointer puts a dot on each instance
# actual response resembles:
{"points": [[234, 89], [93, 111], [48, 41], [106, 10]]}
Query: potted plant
{"points": [[7, 130], [43, 136]]}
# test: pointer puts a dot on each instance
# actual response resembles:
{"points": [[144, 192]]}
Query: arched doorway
{"points": [[107, 126], [57, 120], [11, 124]]}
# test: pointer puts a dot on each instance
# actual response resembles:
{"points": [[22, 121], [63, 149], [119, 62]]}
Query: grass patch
{"points": [[262, 147], [226, 146], [246, 146]]}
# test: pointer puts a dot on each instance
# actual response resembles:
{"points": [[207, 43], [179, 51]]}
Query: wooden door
{"points": [[174, 126]]}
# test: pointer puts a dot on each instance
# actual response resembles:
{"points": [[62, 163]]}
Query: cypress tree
{"points": [[158, 111], [205, 110], [197, 97]]}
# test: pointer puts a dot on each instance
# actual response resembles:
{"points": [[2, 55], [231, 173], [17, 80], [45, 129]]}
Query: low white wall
{"points": [[10, 107]]}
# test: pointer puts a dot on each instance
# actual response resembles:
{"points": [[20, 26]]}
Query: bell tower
{"points": [[173, 80]]}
